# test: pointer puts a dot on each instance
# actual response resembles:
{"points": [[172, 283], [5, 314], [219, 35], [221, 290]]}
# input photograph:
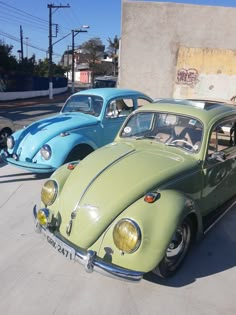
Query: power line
{"points": [[23, 12], [30, 45]]}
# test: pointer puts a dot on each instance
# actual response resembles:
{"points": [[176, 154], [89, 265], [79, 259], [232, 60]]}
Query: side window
{"points": [[142, 102], [120, 108], [222, 138]]}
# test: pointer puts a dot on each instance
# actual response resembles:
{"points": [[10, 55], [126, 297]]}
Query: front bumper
{"points": [[29, 166], [88, 258]]}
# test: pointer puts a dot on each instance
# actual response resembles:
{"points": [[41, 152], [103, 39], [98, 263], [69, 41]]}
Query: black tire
{"points": [[4, 133], [78, 153], [176, 251]]}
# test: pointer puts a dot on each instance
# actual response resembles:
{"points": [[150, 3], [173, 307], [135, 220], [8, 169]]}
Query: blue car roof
{"points": [[111, 92]]}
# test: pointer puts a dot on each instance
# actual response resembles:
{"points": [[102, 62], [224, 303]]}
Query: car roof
{"points": [[106, 78], [111, 92], [203, 109]]}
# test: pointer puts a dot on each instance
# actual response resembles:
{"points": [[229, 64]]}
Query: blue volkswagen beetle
{"points": [[88, 120]]}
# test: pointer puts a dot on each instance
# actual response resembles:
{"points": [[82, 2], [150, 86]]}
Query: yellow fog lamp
{"points": [[127, 235], [49, 192], [42, 216]]}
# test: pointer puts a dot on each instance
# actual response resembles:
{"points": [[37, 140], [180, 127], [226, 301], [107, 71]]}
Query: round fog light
{"points": [[42, 216]]}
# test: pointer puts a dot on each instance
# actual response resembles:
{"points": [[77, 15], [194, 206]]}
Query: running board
{"points": [[211, 219]]}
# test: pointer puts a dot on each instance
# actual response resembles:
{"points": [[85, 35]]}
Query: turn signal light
{"points": [[152, 197]]}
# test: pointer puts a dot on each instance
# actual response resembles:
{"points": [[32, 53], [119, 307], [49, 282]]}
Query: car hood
{"points": [[110, 180], [45, 129]]}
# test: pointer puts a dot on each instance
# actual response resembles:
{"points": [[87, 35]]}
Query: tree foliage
{"points": [[28, 66], [8, 62], [112, 52], [93, 49]]}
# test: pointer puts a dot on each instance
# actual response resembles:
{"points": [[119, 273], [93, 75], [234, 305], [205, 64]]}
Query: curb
{"points": [[35, 101]]}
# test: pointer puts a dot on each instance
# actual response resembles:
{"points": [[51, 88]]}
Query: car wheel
{"points": [[78, 153], [176, 251], [4, 133]]}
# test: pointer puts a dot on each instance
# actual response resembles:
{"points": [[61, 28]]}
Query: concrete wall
{"points": [[9, 96], [154, 37]]}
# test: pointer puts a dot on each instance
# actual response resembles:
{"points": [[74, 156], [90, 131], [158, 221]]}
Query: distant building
{"points": [[178, 50], [83, 72]]}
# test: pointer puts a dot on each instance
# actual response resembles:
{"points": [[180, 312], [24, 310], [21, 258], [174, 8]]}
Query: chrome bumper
{"points": [[29, 166], [89, 258]]}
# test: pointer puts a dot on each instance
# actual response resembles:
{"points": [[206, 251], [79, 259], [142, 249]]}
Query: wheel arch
{"points": [[79, 152]]}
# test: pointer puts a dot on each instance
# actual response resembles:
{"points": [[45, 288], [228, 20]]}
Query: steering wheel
{"points": [[183, 141]]}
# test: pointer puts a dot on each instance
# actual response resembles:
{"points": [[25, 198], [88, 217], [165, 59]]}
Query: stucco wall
{"points": [[152, 35]]}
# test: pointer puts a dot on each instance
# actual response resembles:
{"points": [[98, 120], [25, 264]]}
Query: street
{"points": [[36, 280]]}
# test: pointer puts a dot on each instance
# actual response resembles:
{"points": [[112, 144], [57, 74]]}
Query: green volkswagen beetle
{"points": [[137, 204]]}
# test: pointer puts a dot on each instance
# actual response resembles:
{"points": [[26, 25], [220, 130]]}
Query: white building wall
{"points": [[152, 34]]}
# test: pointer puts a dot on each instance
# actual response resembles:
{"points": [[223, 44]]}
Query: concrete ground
{"points": [[36, 280]]}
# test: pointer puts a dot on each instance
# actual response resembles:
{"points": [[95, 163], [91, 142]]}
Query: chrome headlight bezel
{"points": [[46, 152], [10, 142], [127, 235], [49, 192]]}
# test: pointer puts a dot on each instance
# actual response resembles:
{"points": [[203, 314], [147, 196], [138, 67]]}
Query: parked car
{"points": [[88, 120], [137, 204], [105, 81], [6, 129]]}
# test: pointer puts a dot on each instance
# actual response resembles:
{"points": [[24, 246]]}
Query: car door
{"points": [[115, 114], [220, 166]]}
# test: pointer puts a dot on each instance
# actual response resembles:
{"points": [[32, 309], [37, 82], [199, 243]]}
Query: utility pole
{"points": [[21, 44], [67, 64], [50, 74], [74, 33], [26, 42]]}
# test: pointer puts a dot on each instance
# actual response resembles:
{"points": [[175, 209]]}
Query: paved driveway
{"points": [[35, 280]]}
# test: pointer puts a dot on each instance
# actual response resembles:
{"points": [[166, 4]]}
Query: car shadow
{"points": [[22, 177], [215, 253]]}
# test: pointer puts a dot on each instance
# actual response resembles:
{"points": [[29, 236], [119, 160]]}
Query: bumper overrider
{"points": [[33, 167], [88, 258]]}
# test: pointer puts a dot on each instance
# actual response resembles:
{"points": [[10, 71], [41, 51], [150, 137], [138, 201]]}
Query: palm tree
{"points": [[113, 50]]}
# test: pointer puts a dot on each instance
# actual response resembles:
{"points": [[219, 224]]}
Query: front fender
{"points": [[158, 222], [61, 146], [60, 176]]}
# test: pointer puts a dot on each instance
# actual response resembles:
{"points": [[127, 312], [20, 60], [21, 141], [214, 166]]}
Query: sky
{"points": [[102, 16], [32, 17]]}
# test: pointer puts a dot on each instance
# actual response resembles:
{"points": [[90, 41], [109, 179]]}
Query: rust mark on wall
{"points": [[187, 77]]}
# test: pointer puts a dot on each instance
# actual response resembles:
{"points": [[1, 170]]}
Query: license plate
{"points": [[62, 248]]}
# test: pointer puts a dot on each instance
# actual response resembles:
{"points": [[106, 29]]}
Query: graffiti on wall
{"points": [[187, 77]]}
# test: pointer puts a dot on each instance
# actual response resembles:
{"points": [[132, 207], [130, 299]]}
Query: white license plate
{"points": [[63, 249]]}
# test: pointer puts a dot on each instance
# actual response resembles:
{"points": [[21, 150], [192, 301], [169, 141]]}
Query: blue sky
{"points": [[103, 17]]}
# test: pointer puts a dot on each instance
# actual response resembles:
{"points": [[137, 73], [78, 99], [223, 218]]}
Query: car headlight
{"points": [[46, 152], [127, 235], [10, 142], [49, 192]]}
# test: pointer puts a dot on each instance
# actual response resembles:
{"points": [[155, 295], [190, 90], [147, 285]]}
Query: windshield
{"points": [[170, 129], [89, 104]]}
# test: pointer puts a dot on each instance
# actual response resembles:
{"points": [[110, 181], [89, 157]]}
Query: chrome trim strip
{"points": [[98, 174], [74, 212], [219, 218]]}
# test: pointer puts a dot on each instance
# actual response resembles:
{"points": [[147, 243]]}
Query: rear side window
{"points": [[121, 107]]}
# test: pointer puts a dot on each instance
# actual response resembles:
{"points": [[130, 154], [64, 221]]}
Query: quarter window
{"points": [[119, 108], [223, 138]]}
